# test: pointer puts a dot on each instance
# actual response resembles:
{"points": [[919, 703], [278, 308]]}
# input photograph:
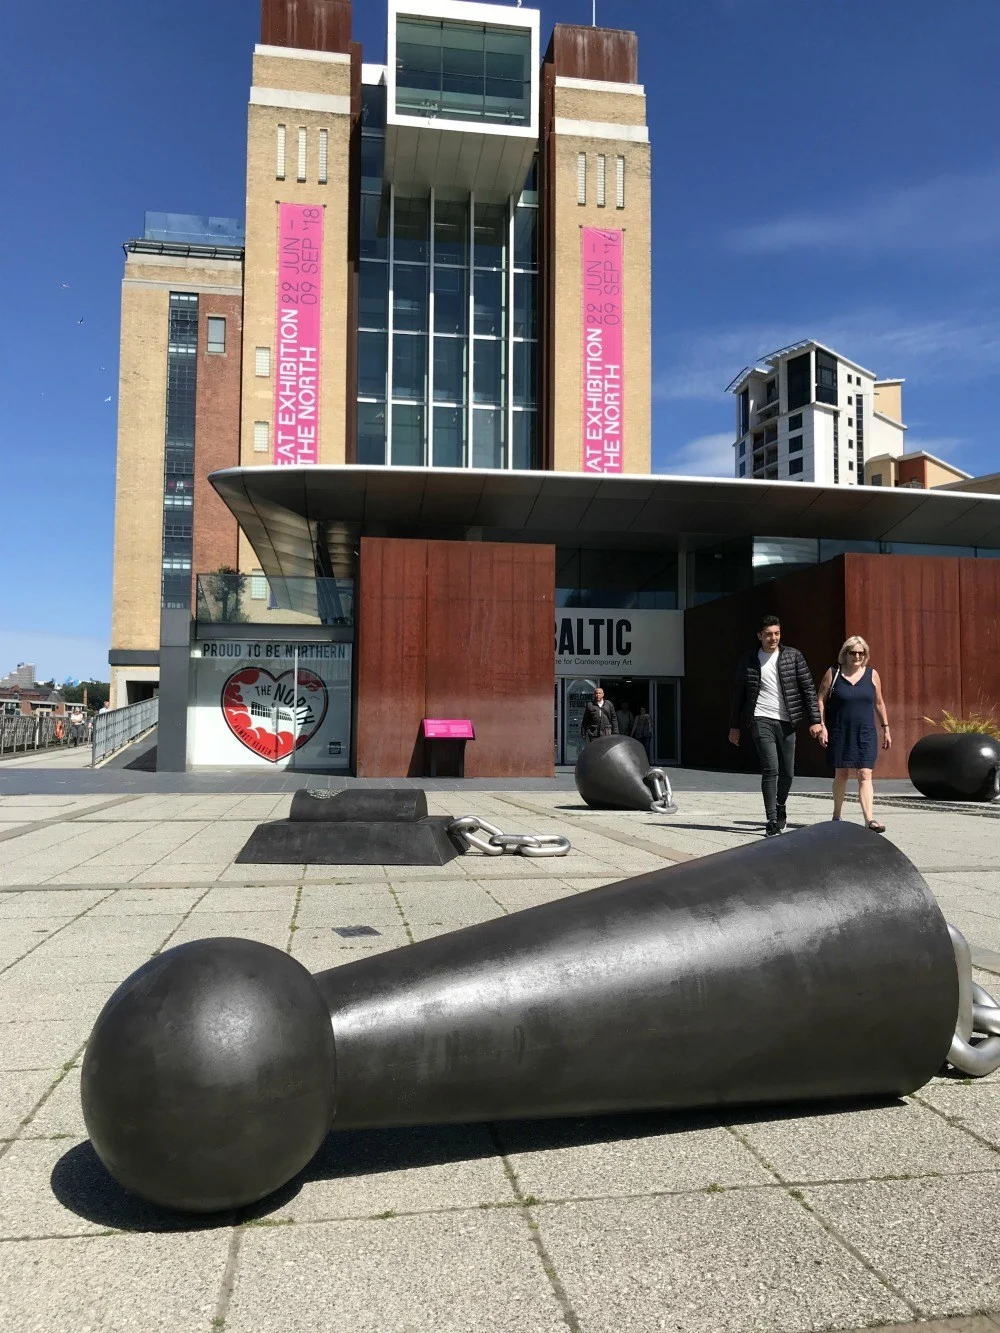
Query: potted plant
{"points": [[960, 762]]}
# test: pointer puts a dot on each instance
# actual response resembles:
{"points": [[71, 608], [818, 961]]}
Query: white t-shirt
{"points": [[770, 701]]}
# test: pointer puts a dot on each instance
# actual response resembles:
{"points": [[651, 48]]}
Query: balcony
{"points": [[252, 599], [461, 98], [768, 413]]}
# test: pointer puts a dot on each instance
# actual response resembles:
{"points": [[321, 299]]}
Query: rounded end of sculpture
{"points": [[208, 1080]]}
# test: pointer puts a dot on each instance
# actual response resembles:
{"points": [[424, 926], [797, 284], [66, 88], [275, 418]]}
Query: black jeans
{"points": [[775, 742]]}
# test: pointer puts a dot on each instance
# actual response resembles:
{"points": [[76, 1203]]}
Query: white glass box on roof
{"points": [[461, 96]]}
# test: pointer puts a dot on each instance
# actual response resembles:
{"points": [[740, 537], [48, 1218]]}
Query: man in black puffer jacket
{"points": [[772, 694]]}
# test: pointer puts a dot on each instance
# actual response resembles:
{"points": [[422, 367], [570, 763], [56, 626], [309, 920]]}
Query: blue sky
{"points": [[821, 168]]}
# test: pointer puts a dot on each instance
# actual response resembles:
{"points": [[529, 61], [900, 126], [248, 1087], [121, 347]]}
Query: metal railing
{"points": [[115, 728], [29, 731]]}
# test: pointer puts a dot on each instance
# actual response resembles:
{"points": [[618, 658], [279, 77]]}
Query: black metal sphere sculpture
{"points": [[956, 767], [613, 773], [209, 1078]]}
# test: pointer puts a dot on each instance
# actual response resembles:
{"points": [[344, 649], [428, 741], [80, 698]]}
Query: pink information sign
{"points": [[603, 360], [448, 728], [296, 380]]}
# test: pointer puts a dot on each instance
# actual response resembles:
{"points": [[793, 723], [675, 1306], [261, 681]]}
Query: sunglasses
{"points": [[856, 652]]}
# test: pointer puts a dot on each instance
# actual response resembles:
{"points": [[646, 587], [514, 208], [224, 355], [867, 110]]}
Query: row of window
{"points": [[601, 179], [178, 479], [302, 154]]}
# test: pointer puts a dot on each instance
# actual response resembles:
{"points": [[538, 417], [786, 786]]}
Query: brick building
{"points": [[445, 263]]}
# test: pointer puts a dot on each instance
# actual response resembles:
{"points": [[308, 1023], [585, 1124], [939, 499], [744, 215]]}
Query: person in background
{"points": [[77, 725], [599, 718], [773, 692], [625, 719], [850, 698], [642, 730]]}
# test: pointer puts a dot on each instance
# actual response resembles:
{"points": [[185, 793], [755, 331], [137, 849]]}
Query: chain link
{"points": [[467, 829], [663, 797], [978, 1015]]}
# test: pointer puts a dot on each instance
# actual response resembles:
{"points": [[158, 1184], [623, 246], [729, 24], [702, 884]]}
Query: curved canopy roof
{"points": [[294, 515]]}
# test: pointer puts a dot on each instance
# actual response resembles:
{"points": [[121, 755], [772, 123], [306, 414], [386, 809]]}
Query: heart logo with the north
{"points": [[266, 713]]}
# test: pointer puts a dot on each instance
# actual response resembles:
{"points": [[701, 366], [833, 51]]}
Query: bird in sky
{"points": [[108, 399]]}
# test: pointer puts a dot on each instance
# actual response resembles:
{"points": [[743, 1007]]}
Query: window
{"points": [[795, 444], [799, 386], [850, 400], [826, 378], [850, 381], [262, 361], [743, 448], [581, 178], [301, 175], [743, 469], [850, 465], [216, 334], [258, 586], [875, 479], [261, 437], [602, 165], [795, 422], [620, 183], [279, 166], [324, 149], [463, 71], [794, 466], [771, 392], [850, 420], [836, 448], [770, 433], [744, 411], [861, 438]]}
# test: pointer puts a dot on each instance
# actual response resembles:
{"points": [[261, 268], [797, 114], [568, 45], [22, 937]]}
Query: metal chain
{"points": [[466, 829], [978, 1015], [663, 797]]}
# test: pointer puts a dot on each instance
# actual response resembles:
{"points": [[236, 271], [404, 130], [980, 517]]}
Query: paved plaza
{"points": [[762, 1221]]}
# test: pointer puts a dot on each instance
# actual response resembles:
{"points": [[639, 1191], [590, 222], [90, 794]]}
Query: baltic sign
{"points": [[603, 351], [296, 380], [594, 641]]}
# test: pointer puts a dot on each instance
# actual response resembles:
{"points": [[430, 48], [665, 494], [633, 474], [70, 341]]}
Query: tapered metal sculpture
{"points": [[817, 965], [613, 773], [956, 767]]}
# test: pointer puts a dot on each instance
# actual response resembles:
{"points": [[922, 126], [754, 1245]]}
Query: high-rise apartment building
{"points": [[446, 263], [805, 413]]}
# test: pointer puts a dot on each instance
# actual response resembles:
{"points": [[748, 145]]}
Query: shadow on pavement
{"points": [[81, 1183]]}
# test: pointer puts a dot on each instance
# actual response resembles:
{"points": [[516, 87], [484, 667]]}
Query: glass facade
{"points": [[463, 72], [447, 326], [178, 464]]}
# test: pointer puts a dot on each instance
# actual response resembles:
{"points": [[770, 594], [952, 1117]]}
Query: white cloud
{"points": [[707, 456], [55, 656], [957, 349], [955, 212]]}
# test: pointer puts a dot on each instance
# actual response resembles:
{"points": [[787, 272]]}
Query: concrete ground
{"points": [[766, 1221]]}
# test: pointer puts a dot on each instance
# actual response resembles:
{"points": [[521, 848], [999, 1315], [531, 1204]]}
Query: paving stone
{"points": [[901, 1139], [36, 902], [46, 970], [62, 1112], [626, 1154], [19, 1092], [146, 902], [450, 1273], [974, 1106], [365, 1173], [267, 927], [742, 1261], [115, 1284], [925, 1236], [41, 1045], [92, 936], [276, 898]]}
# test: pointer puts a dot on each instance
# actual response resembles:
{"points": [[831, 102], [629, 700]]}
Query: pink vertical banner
{"points": [[296, 379], [603, 359]]}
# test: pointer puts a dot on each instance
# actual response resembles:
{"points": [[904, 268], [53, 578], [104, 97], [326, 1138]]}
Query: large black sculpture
{"points": [[613, 773], [812, 966], [956, 767], [354, 827]]}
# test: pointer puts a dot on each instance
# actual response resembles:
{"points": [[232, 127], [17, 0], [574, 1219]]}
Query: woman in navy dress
{"points": [[850, 700]]}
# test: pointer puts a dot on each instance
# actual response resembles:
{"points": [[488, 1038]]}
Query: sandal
{"points": [[875, 826]]}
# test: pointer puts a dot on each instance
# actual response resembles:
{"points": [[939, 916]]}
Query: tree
{"points": [[223, 591], [98, 692]]}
